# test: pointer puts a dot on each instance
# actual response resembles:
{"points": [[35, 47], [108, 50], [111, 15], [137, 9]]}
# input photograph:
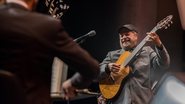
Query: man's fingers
{"points": [[68, 94]]}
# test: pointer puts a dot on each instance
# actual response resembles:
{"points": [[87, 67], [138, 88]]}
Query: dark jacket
{"points": [[28, 43]]}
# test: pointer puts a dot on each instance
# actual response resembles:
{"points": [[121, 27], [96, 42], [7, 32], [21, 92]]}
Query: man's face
{"points": [[128, 40]]}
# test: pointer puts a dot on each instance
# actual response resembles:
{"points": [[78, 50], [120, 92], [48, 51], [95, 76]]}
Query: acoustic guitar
{"points": [[110, 86]]}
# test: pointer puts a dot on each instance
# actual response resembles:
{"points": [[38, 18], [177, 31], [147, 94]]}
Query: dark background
{"points": [[105, 16]]}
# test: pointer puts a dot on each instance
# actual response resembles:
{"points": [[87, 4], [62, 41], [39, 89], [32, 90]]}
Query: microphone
{"points": [[82, 38]]}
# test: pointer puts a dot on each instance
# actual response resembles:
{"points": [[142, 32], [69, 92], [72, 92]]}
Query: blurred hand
{"points": [[113, 67], [155, 38], [68, 90], [101, 100]]}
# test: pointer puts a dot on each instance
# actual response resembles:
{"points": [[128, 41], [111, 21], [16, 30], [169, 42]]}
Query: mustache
{"points": [[125, 40]]}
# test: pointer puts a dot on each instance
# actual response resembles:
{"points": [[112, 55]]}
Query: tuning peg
{"points": [[171, 22], [165, 27], [168, 25]]}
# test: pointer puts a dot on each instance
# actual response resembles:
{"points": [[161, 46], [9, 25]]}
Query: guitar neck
{"points": [[138, 48]]}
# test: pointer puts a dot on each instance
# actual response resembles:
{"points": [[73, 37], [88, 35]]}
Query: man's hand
{"points": [[155, 38], [113, 67], [68, 90], [101, 100]]}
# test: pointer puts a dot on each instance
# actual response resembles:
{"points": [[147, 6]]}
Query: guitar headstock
{"points": [[165, 23], [56, 7]]}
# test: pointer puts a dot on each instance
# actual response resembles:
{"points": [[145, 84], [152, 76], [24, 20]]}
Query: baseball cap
{"points": [[127, 28]]}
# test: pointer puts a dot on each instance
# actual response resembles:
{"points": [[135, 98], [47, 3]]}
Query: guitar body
{"points": [[110, 86]]}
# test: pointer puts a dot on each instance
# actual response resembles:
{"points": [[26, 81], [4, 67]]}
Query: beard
{"points": [[128, 45]]}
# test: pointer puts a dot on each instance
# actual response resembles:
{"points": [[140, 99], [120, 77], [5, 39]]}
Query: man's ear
{"points": [[32, 4]]}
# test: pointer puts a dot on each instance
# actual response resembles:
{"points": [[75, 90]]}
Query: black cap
{"points": [[127, 28]]}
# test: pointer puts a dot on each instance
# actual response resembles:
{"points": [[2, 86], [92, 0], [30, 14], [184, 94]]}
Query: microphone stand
{"points": [[81, 41]]}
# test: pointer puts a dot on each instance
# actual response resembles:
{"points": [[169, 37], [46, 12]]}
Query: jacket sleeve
{"points": [[104, 71], [160, 58], [72, 54]]}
